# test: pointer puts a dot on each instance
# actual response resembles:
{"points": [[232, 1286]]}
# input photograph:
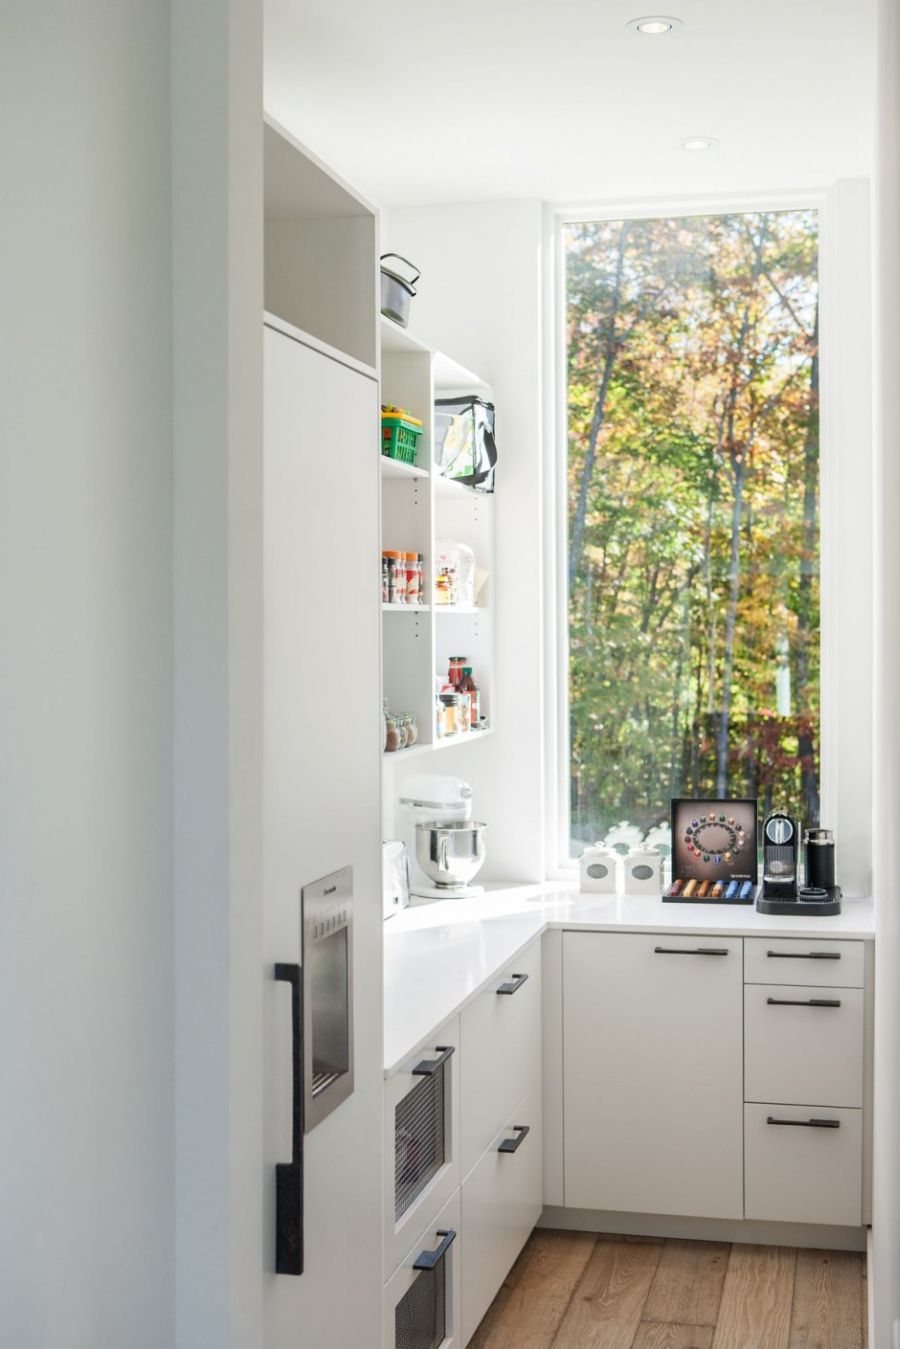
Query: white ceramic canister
{"points": [[600, 870], [643, 869]]}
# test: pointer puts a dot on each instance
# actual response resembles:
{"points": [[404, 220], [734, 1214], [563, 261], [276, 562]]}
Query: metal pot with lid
{"points": [[397, 291]]}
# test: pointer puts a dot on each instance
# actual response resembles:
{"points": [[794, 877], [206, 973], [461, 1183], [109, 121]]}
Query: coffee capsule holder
{"points": [[714, 858]]}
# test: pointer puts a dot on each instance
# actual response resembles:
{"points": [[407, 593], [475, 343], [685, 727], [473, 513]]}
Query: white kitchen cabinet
{"points": [[500, 1039], [803, 1044], [804, 1164], [422, 1297], [421, 1139], [792, 960], [501, 1203], [653, 1068]]}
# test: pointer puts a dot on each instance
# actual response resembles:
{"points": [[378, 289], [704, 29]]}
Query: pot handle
{"points": [[412, 265]]}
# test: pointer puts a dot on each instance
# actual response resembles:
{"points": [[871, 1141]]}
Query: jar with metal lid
{"points": [[453, 713], [391, 733]]}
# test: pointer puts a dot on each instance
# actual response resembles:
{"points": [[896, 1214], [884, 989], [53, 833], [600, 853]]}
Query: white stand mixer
{"points": [[445, 845]]}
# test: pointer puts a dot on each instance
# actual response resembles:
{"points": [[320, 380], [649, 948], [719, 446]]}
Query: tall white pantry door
{"points": [[322, 812]]}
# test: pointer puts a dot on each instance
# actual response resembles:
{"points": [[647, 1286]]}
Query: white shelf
{"points": [[395, 468], [449, 487], [460, 609], [399, 340], [404, 609], [446, 742], [450, 378]]}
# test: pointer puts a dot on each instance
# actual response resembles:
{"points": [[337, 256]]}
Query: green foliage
{"points": [[693, 514]]}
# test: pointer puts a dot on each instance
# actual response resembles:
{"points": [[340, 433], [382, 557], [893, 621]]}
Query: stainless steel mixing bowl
{"points": [[451, 855]]}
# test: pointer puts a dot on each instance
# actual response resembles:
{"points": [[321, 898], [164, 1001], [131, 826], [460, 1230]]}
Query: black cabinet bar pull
{"points": [[289, 1175], [690, 951], [431, 1259], [428, 1067], [806, 1123], [803, 1002], [514, 984], [803, 955], [513, 1144]]}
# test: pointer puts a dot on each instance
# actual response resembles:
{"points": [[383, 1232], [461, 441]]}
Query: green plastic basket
{"points": [[399, 439]]}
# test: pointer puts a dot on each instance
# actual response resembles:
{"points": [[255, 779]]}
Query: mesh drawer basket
{"points": [[420, 1317], [419, 1138]]}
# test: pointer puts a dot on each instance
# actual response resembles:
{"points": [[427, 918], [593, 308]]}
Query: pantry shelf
{"points": [[446, 742], [395, 468], [459, 609], [405, 608]]}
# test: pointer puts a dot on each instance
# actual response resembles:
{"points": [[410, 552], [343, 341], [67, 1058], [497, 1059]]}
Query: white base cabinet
{"points": [[804, 1164], [653, 1070], [422, 1308], [501, 1203]]}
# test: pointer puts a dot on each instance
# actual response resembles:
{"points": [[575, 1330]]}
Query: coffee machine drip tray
{"points": [[808, 900]]}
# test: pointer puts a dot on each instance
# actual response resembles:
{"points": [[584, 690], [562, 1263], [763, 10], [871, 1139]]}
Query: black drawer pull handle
{"points": [[807, 1123], [514, 984], [690, 951], [428, 1067], [289, 1175], [803, 955], [803, 1002], [431, 1259], [513, 1144]]}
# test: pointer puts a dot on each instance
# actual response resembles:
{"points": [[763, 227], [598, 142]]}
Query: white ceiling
{"points": [[418, 101]]}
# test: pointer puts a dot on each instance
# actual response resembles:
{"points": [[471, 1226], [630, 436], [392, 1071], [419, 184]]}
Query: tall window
{"points": [[693, 542]]}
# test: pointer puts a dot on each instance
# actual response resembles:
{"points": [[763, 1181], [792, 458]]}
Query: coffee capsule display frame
{"points": [[714, 851]]}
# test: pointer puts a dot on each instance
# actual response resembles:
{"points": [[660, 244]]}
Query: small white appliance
{"points": [[444, 844], [394, 876]]}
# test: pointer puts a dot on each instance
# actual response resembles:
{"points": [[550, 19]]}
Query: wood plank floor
{"points": [[575, 1290]]}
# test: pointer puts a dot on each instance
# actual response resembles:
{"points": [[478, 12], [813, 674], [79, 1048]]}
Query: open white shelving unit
{"points": [[418, 507]]}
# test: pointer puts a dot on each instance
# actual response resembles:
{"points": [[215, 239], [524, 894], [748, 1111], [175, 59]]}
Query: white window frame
{"points": [[556, 682]]}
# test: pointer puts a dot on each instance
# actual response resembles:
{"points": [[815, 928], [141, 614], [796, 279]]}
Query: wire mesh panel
{"points": [[419, 1139], [420, 1317]]}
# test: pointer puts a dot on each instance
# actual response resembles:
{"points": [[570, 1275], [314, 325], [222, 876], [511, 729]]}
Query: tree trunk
{"points": [[734, 586], [806, 627], [611, 349]]}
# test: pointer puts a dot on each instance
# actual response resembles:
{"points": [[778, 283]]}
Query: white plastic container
{"points": [[643, 868], [460, 560], [600, 868]]}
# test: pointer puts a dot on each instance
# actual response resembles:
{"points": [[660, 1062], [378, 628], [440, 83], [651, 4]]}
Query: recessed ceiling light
{"points": [[653, 25], [698, 143]]}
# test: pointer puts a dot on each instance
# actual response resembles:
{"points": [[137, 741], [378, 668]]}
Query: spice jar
{"points": [[412, 578], [412, 730], [391, 734], [453, 718]]}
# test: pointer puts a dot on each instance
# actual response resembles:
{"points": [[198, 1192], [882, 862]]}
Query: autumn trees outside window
{"points": [[693, 487]]}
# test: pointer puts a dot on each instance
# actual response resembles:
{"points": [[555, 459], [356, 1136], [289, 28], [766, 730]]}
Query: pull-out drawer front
{"points": [[501, 1202], [803, 1044], [421, 1126], [500, 1050], [805, 1166], [422, 1306], [796, 960]]}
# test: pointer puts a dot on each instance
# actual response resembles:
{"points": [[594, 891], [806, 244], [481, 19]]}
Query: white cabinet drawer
{"points": [[421, 1137], [803, 1044], [422, 1306], [501, 1202], [795, 960], [801, 1172], [500, 1051]]}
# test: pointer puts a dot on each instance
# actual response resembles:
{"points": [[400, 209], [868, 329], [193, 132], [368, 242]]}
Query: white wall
{"points": [[885, 1274], [480, 301], [86, 1029]]}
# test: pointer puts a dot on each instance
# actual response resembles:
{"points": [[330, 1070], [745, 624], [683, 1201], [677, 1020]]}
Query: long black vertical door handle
{"points": [[289, 1175]]}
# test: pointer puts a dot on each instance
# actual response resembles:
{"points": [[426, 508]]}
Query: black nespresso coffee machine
{"points": [[781, 890]]}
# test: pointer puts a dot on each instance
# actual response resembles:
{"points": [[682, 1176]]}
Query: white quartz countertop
{"points": [[438, 956]]}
